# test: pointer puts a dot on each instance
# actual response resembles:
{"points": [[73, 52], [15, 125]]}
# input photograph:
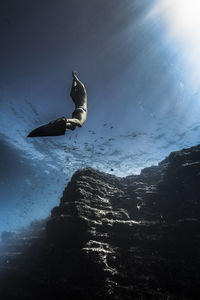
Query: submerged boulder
{"points": [[135, 237]]}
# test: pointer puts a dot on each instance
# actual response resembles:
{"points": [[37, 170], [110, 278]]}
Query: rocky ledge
{"points": [[136, 237]]}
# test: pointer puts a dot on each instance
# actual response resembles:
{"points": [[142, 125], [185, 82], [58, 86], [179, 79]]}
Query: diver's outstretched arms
{"points": [[78, 92], [79, 116], [79, 97], [76, 79]]}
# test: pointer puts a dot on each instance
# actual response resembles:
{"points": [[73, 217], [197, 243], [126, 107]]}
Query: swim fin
{"points": [[53, 128]]}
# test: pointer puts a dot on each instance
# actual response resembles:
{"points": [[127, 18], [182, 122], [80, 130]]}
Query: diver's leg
{"points": [[68, 123], [70, 126], [74, 122], [78, 117]]}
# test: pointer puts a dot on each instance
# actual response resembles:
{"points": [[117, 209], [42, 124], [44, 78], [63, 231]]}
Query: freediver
{"points": [[79, 116]]}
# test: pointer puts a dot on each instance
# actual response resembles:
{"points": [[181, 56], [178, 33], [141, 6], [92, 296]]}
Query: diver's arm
{"points": [[78, 92], [79, 97]]}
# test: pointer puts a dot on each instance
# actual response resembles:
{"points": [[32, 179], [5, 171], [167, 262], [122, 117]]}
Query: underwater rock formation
{"points": [[136, 237]]}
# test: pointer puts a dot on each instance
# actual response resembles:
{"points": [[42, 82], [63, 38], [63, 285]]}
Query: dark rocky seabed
{"points": [[136, 237]]}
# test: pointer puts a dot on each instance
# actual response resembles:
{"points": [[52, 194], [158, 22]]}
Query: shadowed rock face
{"points": [[113, 238]]}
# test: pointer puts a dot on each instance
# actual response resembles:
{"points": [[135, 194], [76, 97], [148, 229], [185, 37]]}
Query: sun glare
{"points": [[185, 13], [182, 16], [182, 23]]}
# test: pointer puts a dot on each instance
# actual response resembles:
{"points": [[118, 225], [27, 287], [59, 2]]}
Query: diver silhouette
{"points": [[79, 116]]}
